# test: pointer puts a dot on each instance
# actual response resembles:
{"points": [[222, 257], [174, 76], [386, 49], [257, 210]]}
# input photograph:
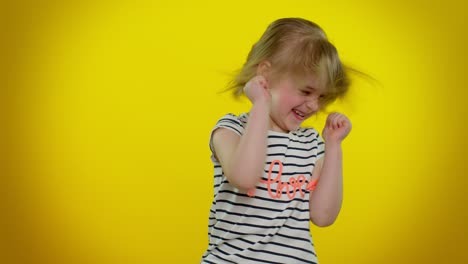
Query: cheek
{"points": [[291, 101], [284, 101]]}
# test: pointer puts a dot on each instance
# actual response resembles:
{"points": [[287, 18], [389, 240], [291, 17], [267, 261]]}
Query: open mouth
{"points": [[298, 114]]}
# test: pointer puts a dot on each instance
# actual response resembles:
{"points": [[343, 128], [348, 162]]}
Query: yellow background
{"points": [[108, 107]]}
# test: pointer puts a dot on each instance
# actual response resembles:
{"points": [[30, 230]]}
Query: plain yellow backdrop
{"points": [[113, 103]]}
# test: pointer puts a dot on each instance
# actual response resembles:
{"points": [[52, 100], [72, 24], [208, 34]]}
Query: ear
{"points": [[264, 68]]}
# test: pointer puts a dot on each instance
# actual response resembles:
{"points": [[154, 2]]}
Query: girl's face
{"points": [[294, 98]]}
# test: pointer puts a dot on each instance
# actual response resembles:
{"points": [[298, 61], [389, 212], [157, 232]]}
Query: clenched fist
{"points": [[336, 128], [257, 89]]}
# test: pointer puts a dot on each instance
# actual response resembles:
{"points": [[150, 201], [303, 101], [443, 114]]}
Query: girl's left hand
{"points": [[336, 128]]}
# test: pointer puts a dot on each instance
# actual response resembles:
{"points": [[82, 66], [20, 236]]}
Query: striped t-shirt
{"points": [[269, 224]]}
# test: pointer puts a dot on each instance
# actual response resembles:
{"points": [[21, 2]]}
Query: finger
{"points": [[335, 120], [344, 120], [330, 121], [340, 120], [331, 116], [343, 123], [346, 124]]}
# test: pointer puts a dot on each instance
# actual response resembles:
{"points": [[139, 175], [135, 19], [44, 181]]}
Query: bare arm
{"points": [[243, 158], [326, 200]]}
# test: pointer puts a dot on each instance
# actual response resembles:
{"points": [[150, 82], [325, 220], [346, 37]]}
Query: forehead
{"points": [[309, 79]]}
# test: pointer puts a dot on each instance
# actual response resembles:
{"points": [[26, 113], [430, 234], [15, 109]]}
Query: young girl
{"points": [[270, 175]]}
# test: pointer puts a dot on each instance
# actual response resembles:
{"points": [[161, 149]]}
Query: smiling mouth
{"points": [[298, 114]]}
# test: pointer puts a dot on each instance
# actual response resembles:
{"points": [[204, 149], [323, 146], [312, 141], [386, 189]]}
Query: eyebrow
{"points": [[316, 90]]}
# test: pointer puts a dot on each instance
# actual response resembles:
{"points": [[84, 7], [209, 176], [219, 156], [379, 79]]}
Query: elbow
{"points": [[243, 178], [323, 223], [322, 220], [246, 185], [242, 183]]}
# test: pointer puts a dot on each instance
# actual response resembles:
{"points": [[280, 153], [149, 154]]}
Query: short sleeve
{"points": [[320, 146], [231, 122]]}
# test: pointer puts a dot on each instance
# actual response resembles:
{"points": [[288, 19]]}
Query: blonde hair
{"points": [[296, 45]]}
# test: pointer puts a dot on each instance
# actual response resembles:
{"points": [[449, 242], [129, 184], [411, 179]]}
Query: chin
{"points": [[293, 127]]}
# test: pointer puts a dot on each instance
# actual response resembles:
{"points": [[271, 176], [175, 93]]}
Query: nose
{"points": [[312, 104]]}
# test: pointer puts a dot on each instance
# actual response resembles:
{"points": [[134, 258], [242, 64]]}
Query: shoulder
{"points": [[238, 119], [309, 136], [226, 134], [306, 132], [233, 122], [228, 129]]}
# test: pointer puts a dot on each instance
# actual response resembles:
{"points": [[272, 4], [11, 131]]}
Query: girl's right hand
{"points": [[257, 90]]}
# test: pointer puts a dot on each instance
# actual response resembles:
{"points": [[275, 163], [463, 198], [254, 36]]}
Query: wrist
{"points": [[333, 144], [261, 103]]}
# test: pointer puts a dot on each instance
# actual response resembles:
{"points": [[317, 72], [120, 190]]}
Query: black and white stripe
{"points": [[262, 228]]}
